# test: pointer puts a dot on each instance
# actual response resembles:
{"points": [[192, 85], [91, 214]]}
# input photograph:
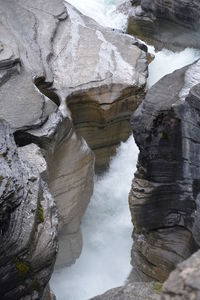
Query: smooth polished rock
{"points": [[164, 199], [102, 84], [41, 85], [29, 101]]}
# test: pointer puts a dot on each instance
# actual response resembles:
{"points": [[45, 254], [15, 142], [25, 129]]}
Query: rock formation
{"points": [[52, 85], [183, 283], [27, 86], [164, 199], [133, 291], [170, 24], [105, 82], [28, 224]]}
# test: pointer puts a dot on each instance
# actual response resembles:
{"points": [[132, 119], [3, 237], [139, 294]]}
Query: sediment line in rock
{"points": [[164, 195]]}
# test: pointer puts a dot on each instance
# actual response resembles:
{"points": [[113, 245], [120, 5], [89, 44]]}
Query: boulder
{"points": [[183, 282], [164, 199], [133, 291]]}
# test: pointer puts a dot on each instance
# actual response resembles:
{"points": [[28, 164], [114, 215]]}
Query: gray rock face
{"points": [[164, 198], [103, 83], [166, 23], [184, 12], [28, 225], [133, 291], [47, 71], [183, 283], [29, 102]]}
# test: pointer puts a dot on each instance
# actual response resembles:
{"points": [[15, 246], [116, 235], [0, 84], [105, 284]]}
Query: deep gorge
{"points": [[68, 88]]}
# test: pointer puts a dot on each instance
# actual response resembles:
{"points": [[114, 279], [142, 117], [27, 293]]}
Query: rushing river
{"points": [[106, 227]]}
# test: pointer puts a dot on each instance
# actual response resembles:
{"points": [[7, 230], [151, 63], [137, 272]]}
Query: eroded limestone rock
{"points": [[45, 69], [28, 225], [164, 199], [103, 80], [30, 103]]}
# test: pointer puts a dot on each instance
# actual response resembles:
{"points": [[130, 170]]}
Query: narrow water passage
{"points": [[107, 228]]}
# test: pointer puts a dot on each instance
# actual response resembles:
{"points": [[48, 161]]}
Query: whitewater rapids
{"points": [[107, 227]]}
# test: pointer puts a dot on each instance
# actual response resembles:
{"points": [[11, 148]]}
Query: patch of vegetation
{"points": [[41, 213], [158, 287], [22, 267]]}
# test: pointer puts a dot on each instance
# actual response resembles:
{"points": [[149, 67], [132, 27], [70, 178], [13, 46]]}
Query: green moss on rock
{"points": [[158, 287], [22, 267]]}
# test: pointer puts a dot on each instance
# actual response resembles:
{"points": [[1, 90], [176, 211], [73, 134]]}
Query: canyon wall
{"points": [[47, 73], [164, 199], [31, 105], [28, 223]]}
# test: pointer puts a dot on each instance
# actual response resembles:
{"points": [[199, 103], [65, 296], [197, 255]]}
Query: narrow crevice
{"points": [[23, 138], [46, 89]]}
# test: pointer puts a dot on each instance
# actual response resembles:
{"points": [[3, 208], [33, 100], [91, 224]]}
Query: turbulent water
{"points": [[107, 228], [105, 259], [167, 61], [103, 11]]}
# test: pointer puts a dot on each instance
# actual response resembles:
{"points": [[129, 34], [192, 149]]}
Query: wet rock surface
{"points": [[164, 199]]}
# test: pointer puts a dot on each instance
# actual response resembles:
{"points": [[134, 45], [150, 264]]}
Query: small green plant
{"points": [[158, 287], [165, 135], [21, 266], [41, 213]]}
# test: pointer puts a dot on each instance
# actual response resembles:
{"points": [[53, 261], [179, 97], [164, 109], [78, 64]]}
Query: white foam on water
{"points": [[107, 228], [105, 259], [167, 61], [102, 11]]}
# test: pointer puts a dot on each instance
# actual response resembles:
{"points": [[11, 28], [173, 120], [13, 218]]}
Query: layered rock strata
{"points": [[170, 24], [46, 72], [26, 85], [105, 81], [164, 199], [46, 64], [28, 224]]}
